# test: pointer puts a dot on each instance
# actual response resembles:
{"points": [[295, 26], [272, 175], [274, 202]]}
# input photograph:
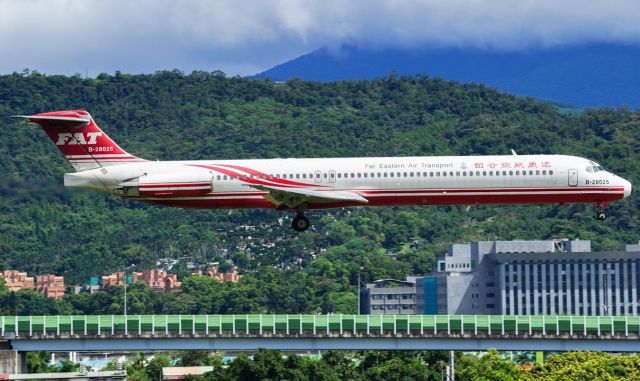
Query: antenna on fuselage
{"points": [[513, 152]]}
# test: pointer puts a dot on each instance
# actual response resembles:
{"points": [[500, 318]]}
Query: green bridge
{"points": [[319, 332], [23, 327]]}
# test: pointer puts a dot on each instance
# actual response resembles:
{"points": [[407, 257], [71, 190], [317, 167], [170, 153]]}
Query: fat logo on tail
{"points": [[80, 140]]}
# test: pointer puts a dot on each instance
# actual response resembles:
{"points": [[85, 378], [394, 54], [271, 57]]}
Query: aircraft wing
{"points": [[293, 197]]}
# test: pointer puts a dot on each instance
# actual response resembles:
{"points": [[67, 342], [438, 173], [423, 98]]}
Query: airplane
{"points": [[305, 184]]}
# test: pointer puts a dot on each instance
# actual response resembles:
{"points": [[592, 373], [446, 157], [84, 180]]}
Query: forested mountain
{"points": [[47, 228], [590, 75]]}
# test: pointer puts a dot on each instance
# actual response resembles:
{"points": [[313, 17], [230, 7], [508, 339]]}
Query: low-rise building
{"points": [[229, 276], [112, 280], [16, 280], [389, 297], [158, 280], [52, 286]]}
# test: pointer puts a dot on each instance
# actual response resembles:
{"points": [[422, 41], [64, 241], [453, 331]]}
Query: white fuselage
{"points": [[437, 180]]}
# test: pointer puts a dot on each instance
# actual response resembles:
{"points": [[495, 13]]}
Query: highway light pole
{"points": [[358, 289], [125, 295]]}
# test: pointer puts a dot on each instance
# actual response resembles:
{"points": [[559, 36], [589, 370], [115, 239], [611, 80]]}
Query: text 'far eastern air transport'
{"points": [[303, 184]]}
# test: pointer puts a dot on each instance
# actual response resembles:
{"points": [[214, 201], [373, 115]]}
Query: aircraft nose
{"points": [[627, 188]]}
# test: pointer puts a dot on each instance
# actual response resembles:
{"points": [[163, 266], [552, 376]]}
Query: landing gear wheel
{"points": [[300, 223], [601, 216]]}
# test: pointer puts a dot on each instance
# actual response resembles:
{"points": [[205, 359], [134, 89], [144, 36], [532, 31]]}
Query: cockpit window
{"points": [[594, 167]]}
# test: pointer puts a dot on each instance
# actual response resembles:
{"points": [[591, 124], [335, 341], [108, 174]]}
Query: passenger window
{"points": [[297, 175], [353, 175], [359, 174], [385, 174], [304, 175], [510, 173], [538, 172], [317, 175], [550, 172], [458, 174], [517, 173], [451, 174], [365, 174], [399, 174], [324, 175], [405, 174], [530, 173], [339, 175], [218, 177], [390, 174], [410, 174], [438, 174], [504, 173], [484, 173], [477, 173], [544, 171]]}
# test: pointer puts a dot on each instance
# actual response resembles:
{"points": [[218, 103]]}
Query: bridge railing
{"points": [[338, 324]]}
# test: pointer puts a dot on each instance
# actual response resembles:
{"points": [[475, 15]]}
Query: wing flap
{"points": [[293, 197]]}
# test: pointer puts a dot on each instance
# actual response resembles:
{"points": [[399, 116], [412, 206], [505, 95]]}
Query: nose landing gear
{"points": [[601, 216], [300, 223]]}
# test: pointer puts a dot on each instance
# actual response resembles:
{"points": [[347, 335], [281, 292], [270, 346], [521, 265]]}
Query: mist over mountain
{"points": [[593, 75]]}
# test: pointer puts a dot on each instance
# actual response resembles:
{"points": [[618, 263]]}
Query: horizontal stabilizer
{"points": [[70, 119]]}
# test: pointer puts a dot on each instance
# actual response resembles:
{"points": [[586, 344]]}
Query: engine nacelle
{"points": [[189, 183]]}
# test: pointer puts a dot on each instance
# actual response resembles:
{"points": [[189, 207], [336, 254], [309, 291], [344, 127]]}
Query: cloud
{"points": [[68, 36]]}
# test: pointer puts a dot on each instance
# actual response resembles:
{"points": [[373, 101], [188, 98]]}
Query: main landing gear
{"points": [[601, 216], [300, 223]]}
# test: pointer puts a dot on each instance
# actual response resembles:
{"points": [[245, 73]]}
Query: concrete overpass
{"points": [[22, 334], [320, 332]]}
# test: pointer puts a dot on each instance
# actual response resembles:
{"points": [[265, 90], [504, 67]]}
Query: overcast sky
{"points": [[246, 37]]}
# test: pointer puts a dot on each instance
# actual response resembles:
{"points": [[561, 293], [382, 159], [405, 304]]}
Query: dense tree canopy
{"points": [[168, 115]]}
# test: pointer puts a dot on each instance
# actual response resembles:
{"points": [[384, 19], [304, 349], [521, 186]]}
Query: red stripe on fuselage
{"points": [[438, 199]]}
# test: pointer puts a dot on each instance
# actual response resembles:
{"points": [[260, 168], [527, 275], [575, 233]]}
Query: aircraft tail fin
{"points": [[80, 140]]}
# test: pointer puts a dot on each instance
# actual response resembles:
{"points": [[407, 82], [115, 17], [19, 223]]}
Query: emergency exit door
{"points": [[573, 177]]}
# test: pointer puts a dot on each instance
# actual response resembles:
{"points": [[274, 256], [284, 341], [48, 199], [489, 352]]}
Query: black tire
{"points": [[601, 216], [300, 223]]}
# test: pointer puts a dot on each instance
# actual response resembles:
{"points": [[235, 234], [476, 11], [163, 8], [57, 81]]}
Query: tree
{"points": [[487, 367], [155, 365]]}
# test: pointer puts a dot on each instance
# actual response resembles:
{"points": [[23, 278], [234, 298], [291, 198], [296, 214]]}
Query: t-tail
{"points": [[80, 140]]}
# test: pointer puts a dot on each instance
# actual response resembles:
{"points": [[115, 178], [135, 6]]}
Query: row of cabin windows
{"points": [[359, 175]]}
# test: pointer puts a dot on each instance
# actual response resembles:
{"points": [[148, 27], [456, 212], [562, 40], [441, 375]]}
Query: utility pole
{"points": [[125, 295], [605, 282], [358, 292], [452, 367]]}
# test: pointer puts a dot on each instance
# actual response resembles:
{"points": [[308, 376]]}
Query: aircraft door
{"points": [[332, 176], [573, 177], [318, 176]]}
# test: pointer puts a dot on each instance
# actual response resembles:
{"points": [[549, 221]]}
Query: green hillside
{"points": [[47, 228]]}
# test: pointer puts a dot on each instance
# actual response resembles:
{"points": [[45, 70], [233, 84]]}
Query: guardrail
{"points": [[22, 327]]}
